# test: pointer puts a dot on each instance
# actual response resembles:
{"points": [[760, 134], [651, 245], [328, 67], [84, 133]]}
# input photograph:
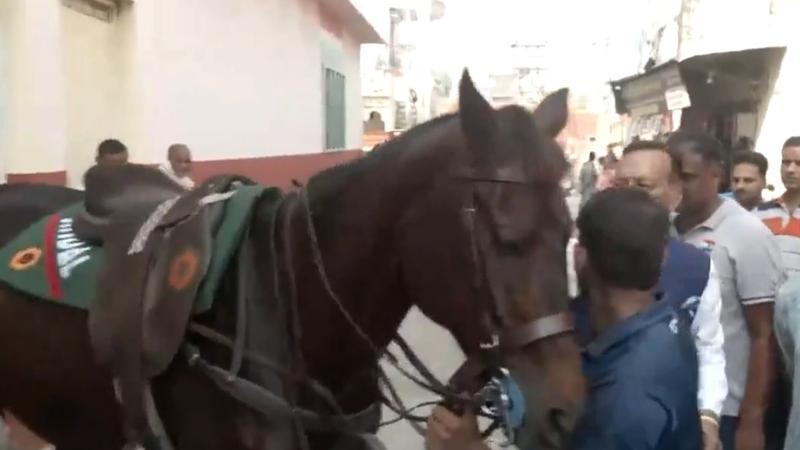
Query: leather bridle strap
{"points": [[536, 330]]}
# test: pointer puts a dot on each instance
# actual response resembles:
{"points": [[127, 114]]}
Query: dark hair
{"points": [[110, 147], [624, 231], [658, 146], [636, 146], [751, 157], [591, 156], [793, 141], [704, 145]]}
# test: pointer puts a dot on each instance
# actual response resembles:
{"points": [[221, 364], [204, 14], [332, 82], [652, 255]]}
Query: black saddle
{"points": [[114, 192], [157, 240]]}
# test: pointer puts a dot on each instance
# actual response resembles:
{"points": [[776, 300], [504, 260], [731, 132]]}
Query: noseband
{"points": [[481, 382], [503, 335]]}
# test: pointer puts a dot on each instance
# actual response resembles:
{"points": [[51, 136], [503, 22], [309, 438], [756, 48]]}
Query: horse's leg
{"points": [[5, 443], [787, 333], [48, 378]]}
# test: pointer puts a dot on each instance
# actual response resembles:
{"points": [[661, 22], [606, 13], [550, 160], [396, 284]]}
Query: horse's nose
{"points": [[562, 420], [558, 427]]}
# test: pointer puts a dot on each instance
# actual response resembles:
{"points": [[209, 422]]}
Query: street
{"points": [[440, 353]]}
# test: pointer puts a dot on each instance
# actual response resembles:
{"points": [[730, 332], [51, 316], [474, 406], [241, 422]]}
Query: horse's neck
{"points": [[356, 228]]}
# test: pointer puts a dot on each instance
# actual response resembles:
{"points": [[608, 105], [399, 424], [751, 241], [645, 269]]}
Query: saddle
{"points": [[157, 241], [111, 190]]}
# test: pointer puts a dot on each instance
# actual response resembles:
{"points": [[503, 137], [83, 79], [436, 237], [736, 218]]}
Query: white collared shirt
{"points": [[184, 181], [709, 339]]}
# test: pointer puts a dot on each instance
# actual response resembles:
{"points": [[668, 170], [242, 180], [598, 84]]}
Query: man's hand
{"points": [[750, 435], [447, 431], [710, 434]]}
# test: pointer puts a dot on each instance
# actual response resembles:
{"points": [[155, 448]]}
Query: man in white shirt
{"points": [[179, 165]]}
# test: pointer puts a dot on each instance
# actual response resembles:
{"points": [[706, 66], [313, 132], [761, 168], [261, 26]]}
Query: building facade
{"points": [[236, 80], [727, 68]]}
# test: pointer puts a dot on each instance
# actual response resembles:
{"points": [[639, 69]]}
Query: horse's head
{"points": [[497, 222]]}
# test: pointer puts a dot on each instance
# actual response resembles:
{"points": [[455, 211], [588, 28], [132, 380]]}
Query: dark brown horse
{"points": [[392, 234]]}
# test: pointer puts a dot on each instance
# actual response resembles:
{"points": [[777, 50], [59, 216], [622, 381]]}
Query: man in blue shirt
{"points": [[688, 279], [641, 365]]}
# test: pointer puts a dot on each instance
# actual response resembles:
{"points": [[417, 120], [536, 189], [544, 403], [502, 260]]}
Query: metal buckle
{"points": [[498, 405]]}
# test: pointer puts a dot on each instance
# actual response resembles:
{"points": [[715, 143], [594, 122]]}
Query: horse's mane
{"points": [[550, 164], [333, 178]]}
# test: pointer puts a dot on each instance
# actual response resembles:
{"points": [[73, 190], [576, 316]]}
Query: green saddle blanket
{"points": [[49, 262]]}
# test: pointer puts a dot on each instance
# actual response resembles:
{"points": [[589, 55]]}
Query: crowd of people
{"points": [[178, 166], [684, 267]]}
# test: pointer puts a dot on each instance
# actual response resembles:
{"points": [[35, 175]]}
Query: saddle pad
{"points": [[49, 262]]}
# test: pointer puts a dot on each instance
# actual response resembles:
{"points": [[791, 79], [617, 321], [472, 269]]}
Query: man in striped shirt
{"points": [[783, 220], [781, 215]]}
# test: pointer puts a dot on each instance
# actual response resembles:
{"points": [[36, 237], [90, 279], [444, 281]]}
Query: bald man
{"points": [[180, 165]]}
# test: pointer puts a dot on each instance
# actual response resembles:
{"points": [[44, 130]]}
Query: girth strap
{"points": [[272, 405]]}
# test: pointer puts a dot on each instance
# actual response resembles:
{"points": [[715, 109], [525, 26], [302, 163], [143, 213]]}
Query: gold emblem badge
{"points": [[26, 258], [183, 269]]}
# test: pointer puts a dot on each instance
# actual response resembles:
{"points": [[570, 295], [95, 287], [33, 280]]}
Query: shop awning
{"points": [[716, 79], [644, 94]]}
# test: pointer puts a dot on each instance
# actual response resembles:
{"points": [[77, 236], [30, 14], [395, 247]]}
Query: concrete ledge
{"points": [[58, 178]]}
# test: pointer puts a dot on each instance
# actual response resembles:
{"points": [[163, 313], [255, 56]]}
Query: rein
{"points": [[488, 358], [486, 361], [256, 396]]}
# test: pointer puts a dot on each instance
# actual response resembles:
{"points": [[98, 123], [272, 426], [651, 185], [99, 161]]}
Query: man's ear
{"points": [[674, 194], [580, 258]]}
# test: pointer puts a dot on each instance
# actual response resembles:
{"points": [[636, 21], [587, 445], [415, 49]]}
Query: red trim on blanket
{"points": [[50, 267]]}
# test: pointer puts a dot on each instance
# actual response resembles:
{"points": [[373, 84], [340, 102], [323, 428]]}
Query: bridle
{"points": [[481, 382], [492, 392], [482, 374]]}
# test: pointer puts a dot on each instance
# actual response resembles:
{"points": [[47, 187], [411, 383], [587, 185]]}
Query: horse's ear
{"points": [[551, 115], [477, 115]]}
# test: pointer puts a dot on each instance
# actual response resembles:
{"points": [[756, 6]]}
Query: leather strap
{"points": [[536, 330], [273, 405]]}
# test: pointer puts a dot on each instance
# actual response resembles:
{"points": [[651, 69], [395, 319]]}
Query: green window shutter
{"points": [[335, 109]]}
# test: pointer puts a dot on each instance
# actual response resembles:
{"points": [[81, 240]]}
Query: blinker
{"points": [[507, 174]]}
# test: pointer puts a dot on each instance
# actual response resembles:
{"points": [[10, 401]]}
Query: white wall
{"points": [[234, 78], [102, 88], [230, 78], [32, 131]]}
